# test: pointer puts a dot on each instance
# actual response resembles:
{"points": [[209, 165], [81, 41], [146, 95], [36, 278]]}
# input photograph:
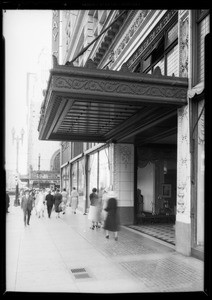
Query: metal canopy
{"points": [[92, 105]]}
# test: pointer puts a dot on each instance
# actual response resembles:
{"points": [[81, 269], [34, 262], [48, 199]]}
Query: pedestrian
{"points": [[64, 200], [40, 204], [49, 203], [74, 200], [26, 205], [95, 209], [7, 202], [104, 204], [57, 202], [112, 219]]}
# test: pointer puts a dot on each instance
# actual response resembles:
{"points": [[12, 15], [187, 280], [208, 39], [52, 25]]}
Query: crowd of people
{"points": [[103, 210], [41, 200]]}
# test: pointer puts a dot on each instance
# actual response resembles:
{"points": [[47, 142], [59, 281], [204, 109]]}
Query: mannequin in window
{"points": [[140, 202]]}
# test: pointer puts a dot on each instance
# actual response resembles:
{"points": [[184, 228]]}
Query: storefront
{"points": [[156, 180], [141, 113]]}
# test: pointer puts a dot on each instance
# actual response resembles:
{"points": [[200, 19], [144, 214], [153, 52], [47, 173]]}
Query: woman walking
{"points": [[95, 209], [64, 200], [112, 220], [74, 199], [57, 202], [40, 204]]}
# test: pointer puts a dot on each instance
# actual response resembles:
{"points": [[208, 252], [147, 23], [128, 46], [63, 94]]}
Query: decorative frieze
{"points": [[119, 87]]}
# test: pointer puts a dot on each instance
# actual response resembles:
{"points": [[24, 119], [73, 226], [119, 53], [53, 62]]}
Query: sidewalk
{"points": [[65, 255]]}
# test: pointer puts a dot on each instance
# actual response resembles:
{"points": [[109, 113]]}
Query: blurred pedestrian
{"points": [[64, 200], [57, 202], [41, 204], [94, 214], [74, 200], [112, 219], [26, 205], [7, 202], [49, 203], [104, 204]]}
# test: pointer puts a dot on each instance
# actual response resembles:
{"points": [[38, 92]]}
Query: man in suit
{"points": [[26, 205], [50, 202]]}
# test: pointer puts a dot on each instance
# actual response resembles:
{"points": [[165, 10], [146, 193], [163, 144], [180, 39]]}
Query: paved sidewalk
{"points": [[65, 255]]}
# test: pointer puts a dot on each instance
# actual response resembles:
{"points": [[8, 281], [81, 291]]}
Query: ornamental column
{"points": [[183, 207]]}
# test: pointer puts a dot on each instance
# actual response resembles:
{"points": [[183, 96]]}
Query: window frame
{"points": [[196, 18], [166, 50]]}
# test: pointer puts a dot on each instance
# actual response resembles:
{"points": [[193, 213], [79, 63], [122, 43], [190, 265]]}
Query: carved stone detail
{"points": [[201, 126], [184, 38], [125, 153], [133, 29], [183, 164]]}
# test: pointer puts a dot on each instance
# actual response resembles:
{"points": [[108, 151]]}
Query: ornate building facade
{"points": [[126, 98]]}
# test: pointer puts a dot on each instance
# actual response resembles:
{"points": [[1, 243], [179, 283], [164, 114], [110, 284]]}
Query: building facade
{"points": [[126, 98]]}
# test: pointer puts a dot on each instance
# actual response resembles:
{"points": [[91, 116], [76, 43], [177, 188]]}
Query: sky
{"points": [[26, 33]]}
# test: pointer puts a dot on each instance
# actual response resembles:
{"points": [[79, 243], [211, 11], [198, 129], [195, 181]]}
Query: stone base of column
{"points": [[183, 238], [126, 215]]}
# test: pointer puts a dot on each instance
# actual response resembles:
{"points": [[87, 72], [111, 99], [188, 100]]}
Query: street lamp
{"points": [[17, 139]]}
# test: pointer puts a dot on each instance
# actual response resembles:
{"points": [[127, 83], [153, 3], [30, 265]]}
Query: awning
{"points": [[93, 105]]}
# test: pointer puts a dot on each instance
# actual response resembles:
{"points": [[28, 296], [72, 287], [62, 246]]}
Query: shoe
{"points": [[92, 227], [63, 213], [116, 238], [107, 236]]}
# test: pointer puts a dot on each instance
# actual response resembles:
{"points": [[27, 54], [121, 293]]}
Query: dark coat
{"points": [[57, 201], [7, 201], [112, 218], [27, 203], [50, 200], [93, 199]]}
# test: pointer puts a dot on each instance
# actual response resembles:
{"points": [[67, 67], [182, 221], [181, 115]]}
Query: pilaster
{"points": [[123, 180], [183, 209]]}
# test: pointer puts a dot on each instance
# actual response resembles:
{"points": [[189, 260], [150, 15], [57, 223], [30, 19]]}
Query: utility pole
{"points": [[17, 139]]}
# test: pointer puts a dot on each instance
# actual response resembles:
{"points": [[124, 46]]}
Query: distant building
{"points": [[42, 156]]}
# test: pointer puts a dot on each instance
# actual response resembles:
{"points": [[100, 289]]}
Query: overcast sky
{"points": [[26, 33]]}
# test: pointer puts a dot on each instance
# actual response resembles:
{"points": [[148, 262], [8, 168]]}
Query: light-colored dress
{"points": [[94, 214], [40, 203], [74, 200]]}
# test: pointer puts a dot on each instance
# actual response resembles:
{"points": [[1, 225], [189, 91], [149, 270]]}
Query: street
{"points": [[65, 255]]}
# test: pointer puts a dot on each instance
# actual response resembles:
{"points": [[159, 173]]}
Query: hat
{"points": [[111, 194]]}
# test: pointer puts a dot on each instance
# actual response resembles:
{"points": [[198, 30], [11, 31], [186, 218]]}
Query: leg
{"points": [[28, 216], [116, 235], [92, 225], [25, 218], [107, 234]]}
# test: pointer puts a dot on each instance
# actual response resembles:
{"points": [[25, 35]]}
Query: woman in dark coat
{"points": [[57, 201], [112, 219]]}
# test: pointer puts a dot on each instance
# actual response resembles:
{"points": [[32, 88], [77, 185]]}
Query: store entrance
{"points": [[155, 204]]}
